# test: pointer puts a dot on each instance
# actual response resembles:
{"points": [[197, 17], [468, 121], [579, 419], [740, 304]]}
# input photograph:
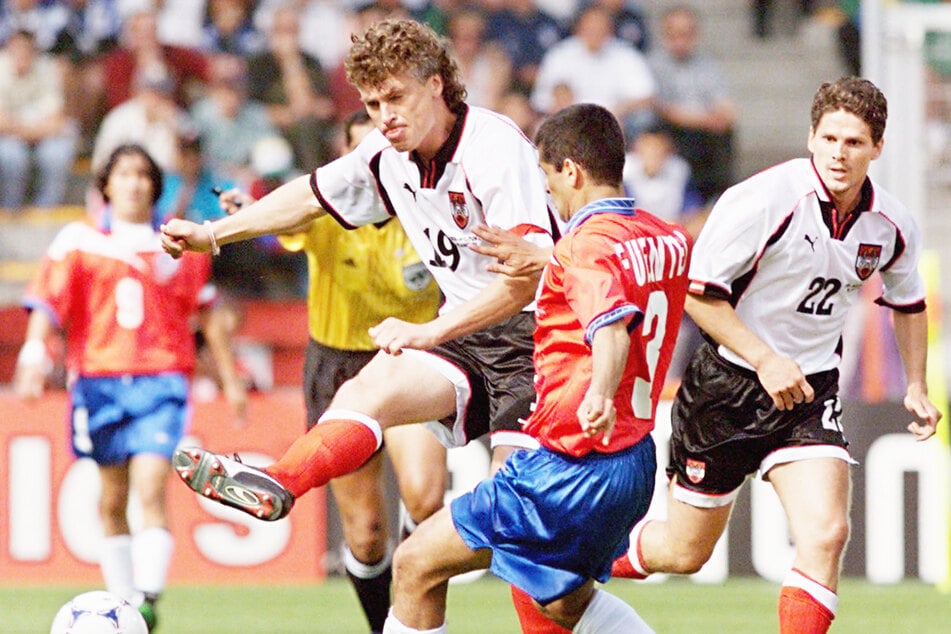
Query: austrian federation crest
{"points": [[867, 260], [696, 470], [460, 212]]}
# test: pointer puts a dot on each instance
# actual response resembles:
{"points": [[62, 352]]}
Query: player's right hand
{"points": [[783, 380], [180, 235]]}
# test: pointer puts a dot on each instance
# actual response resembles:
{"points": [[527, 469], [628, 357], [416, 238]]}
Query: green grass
{"points": [[741, 606]]}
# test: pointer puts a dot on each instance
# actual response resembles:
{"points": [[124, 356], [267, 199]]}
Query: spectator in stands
{"points": [[484, 66], [150, 118], [326, 26], [630, 22], [33, 125], [230, 123], [660, 180], [141, 52], [762, 14], [180, 22], [229, 29], [92, 30], [694, 100], [524, 32], [295, 90], [595, 67], [516, 106], [189, 192], [45, 20]]}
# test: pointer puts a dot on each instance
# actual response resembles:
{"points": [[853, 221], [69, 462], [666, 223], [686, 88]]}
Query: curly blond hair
{"points": [[392, 47]]}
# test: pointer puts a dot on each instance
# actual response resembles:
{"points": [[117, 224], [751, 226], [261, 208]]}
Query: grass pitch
{"points": [[740, 606]]}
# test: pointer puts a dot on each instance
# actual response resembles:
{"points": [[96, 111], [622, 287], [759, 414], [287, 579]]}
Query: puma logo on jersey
{"points": [[410, 190], [811, 241]]}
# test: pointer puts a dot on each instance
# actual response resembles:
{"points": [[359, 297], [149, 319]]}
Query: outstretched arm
{"points": [[289, 206], [911, 334], [609, 348]]}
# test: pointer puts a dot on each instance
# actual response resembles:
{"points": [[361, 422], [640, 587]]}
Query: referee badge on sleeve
{"points": [[696, 469], [867, 260]]}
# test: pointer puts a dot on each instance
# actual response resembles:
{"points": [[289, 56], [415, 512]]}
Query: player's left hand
{"points": [[392, 335], [597, 415], [514, 255], [180, 235], [917, 402]]}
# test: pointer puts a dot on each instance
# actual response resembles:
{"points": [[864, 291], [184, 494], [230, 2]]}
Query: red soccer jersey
{"points": [[614, 263], [125, 305]]}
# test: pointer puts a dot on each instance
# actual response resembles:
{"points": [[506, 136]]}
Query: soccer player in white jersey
{"points": [[774, 272], [442, 168]]}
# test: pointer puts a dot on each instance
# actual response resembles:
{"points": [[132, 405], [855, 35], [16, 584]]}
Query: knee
{"points": [[423, 500], [409, 574], [366, 536], [112, 513], [829, 539]]}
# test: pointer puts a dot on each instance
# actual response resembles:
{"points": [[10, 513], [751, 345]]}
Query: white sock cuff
{"points": [[361, 570], [633, 553], [608, 614], [347, 414], [409, 525], [393, 626], [816, 590]]}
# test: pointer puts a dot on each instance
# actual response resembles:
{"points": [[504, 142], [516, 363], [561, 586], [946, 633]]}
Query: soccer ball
{"points": [[98, 612]]}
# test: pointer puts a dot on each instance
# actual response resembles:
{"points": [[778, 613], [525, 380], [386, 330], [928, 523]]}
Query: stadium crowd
{"points": [[258, 86]]}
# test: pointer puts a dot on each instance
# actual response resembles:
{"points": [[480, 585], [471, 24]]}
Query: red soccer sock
{"points": [[801, 613], [530, 618], [330, 449]]}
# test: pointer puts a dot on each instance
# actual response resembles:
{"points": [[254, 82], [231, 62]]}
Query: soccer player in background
{"points": [[126, 308], [776, 268], [551, 521], [442, 167]]}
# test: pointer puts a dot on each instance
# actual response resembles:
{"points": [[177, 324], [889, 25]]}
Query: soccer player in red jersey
{"points": [[776, 268], [125, 307], [552, 520]]}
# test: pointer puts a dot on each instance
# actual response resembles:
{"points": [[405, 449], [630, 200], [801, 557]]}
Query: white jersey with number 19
{"points": [[485, 173]]}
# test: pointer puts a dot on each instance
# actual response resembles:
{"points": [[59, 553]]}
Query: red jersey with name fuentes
{"points": [[125, 305], [614, 263]]}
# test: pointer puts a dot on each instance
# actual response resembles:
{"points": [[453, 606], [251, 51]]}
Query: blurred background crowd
{"points": [[248, 93]]}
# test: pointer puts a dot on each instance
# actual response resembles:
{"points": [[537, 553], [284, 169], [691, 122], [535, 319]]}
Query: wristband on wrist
{"points": [[215, 249], [33, 353]]}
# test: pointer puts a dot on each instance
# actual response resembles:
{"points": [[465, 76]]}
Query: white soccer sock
{"points": [[817, 591], [607, 614], [115, 562], [361, 570], [393, 626], [151, 555]]}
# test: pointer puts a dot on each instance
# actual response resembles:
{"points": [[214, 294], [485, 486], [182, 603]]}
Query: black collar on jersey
{"points": [[431, 172], [837, 228]]}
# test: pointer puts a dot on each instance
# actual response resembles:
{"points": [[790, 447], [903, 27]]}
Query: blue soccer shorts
{"points": [[555, 521], [115, 418]]}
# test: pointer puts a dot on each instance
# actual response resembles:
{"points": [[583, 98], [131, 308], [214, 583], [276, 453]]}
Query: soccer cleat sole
{"points": [[204, 473]]}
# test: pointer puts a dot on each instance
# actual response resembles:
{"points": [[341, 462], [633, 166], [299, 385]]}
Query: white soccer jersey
{"points": [[775, 249], [486, 173]]}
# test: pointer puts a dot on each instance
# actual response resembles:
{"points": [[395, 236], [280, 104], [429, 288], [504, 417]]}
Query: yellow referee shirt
{"points": [[358, 278]]}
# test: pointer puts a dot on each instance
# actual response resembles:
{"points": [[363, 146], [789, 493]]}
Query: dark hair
{"points": [[855, 95], [391, 47], [130, 149], [357, 117], [587, 134]]}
